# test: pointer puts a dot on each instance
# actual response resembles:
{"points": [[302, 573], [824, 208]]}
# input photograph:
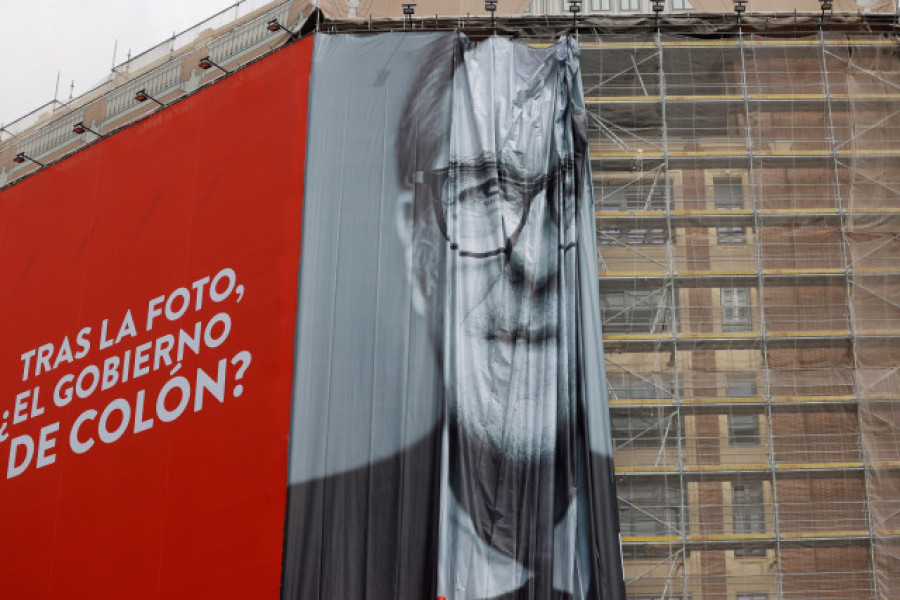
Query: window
{"points": [[743, 430], [749, 514], [741, 386], [644, 428], [747, 504], [729, 195], [623, 385], [748, 552], [635, 311], [629, 5], [646, 386], [728, 192], [600, 5], [682, 5], [752, 597], [643, 194], [649, 508], [735, 309], [730, 234], [622, 236]]}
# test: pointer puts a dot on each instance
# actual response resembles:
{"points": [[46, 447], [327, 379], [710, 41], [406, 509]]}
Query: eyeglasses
{"points": [[481, 207]]}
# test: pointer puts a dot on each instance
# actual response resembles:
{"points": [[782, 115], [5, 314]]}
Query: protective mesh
{"points": [[747, 220], [872, 227]]}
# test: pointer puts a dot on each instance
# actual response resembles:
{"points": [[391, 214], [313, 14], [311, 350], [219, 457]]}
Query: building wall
{"points": [[739, 280]]}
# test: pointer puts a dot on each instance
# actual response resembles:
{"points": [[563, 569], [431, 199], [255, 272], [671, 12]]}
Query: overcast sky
{"points": [[39, 38]]}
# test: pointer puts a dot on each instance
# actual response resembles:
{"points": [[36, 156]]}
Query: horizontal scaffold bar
{"points": [[734, 42]]}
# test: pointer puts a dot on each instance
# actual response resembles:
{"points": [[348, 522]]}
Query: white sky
{"points": [[39, 38]]}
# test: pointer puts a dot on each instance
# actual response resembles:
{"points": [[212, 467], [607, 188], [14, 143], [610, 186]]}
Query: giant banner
{"points": [[450, 433], [441, 384], [149, 294]]}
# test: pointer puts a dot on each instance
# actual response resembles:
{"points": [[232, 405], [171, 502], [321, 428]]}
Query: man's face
{"points": [[504, 240], [490, 225]]}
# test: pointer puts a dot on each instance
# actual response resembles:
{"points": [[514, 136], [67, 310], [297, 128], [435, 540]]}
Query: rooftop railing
{"points": [[236, 35]]}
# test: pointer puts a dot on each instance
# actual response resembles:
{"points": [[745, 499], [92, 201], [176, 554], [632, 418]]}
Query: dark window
{"points": [[747, 504], [645, 386], [729, 195], [643, 194], [743, 430], [635, 311], [735, 309], [649, 508], [730, 235], [728, 192], [624, 236], [625, 385], [752, 551], [644, 428], [741, 386]]}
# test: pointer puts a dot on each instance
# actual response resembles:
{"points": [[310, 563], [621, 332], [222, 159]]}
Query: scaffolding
{"points": [[748, 217]]}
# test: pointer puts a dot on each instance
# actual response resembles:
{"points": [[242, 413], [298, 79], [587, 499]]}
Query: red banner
{"points": [[149, 298]]}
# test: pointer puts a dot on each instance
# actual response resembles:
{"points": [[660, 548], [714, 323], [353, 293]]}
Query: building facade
{"points": [[746, 185], [747, 229]]}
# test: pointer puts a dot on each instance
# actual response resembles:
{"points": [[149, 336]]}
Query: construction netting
{"points": [[747, 220], [873, 252]]}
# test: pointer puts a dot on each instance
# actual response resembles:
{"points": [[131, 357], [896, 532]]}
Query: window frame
{"points": [[729, 201], [633, 236], [730, 235], [647, 193], [649, 508], [741, 386], [736, 314], [743, 429], [645, 427], [733, 199], [748, 507], [623, 384], [634, 311]]}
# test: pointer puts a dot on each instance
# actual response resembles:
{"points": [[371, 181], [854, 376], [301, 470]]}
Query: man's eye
{"points": [[482, 192]]}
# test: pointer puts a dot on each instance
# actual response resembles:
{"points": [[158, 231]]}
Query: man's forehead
{"points": [[507, 102]]}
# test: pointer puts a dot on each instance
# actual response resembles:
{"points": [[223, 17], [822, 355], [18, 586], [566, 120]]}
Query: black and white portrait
{"points": [[448, 424]]}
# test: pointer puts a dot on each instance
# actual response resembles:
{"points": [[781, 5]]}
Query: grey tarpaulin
{"points": [[449, 429]]}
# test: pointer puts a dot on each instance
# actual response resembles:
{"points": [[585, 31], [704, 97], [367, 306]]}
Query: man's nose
{"points": [[523, 278]]}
